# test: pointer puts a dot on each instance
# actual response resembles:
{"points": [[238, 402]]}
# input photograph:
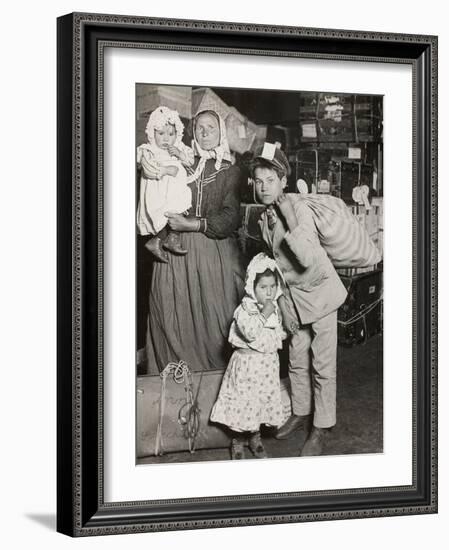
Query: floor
{"points": [[359, 412]]}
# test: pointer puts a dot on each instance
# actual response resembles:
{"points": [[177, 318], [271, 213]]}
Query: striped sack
{"points": [[345, 240]]}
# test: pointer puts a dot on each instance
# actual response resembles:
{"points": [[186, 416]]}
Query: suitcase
{"points": [[173, 418], [250, 237], [360, 317], [171, 408]]}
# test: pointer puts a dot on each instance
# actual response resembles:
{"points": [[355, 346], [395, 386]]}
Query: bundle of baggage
{"points": [[345, 240], [173, 411]]}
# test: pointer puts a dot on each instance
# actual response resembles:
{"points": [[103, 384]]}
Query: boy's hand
{"points": [[268, 308], [286, 208], [289, 321]]}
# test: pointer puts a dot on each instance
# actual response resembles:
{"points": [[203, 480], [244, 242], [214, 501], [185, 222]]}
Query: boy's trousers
{"points": [[313, 370]]}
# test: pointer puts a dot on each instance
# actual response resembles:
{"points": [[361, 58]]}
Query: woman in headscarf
{"points": [[193, 297]]}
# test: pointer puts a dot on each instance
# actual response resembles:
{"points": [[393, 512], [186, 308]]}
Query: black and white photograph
{"points": [[222, 285], [259, 263]]}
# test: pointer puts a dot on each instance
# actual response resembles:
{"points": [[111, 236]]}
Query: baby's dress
{"points": [[167, 194], [250, 393]]}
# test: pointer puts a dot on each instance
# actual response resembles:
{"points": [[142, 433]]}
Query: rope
{"points": [[361, 315], [188, 414]]}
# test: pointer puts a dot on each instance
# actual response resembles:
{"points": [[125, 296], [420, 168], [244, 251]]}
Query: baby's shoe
{"points": [[173, 244], [154, 246], [237, 449], [256, 446]]}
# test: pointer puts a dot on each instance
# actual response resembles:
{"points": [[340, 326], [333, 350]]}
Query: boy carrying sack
{"points": [[309, 307]]}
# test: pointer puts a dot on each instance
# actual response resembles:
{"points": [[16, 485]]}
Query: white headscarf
{"points": [[219, 153], [159, 118], [260, 263]]}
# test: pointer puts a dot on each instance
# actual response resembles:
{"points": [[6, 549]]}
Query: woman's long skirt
{"points": [[192, 302]]}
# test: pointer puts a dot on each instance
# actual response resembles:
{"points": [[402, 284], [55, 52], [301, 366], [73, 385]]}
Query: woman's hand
{"points": [[285, 206], [178, 222], [169, 171], [151, 169]]}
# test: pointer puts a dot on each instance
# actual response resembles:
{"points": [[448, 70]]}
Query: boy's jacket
{"points": [[315, 287]]}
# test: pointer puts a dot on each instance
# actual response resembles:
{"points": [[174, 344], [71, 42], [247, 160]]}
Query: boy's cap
{"points": [[271, 154]]}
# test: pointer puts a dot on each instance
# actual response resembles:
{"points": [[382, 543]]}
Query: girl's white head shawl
{"points": [[260, 263], [159, 118]]}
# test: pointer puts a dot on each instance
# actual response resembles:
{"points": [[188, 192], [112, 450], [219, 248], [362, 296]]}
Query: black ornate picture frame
{"points": [[81, 507]]}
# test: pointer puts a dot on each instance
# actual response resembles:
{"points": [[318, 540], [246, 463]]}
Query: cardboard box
{"points": [[149, 97]]}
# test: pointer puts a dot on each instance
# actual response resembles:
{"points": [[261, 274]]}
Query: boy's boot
{"points": [[315, 442], [293, 424]]}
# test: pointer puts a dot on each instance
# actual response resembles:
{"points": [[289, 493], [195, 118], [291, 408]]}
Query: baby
{"points": [[166, 155]]}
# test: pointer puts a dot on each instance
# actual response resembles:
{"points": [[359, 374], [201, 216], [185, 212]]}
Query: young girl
{"points": [[166, 155], [250, 393]]}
